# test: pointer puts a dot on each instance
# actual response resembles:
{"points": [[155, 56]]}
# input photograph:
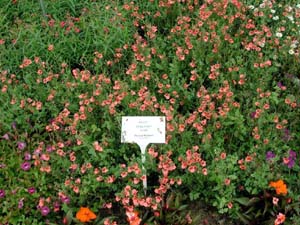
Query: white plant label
{"points": [[143, 130]]}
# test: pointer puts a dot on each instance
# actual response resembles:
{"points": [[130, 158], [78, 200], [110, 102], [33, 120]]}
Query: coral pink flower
{"points": [[279, 219]]}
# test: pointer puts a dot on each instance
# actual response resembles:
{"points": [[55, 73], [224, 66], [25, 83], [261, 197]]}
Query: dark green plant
{"points": [[173, 210]]}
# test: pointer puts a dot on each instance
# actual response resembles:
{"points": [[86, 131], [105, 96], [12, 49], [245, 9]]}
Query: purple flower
{"points": [[49, 148], [252, 115], [286, 135], [37, 152], [5, 136], [2, 193], [21, 145], [27, 156], [21, 203], [45, 210], [65, 199], [56, 206], [31, 190], [292, 154], [270, 155], [279, 84], [26, 166], [290, 76], [2, 165], [291, 163], [291, 158], [13, 125]]}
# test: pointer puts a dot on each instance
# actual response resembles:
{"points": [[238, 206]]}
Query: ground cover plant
{"points": [[224, 73]]}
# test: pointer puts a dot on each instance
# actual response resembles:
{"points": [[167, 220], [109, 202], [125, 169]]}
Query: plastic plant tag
{"points": [[143, 130]]}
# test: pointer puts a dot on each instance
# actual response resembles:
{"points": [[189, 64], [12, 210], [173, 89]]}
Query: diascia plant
{"points": [[225, 74]]}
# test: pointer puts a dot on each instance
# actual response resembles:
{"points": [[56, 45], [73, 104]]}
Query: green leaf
{"points": [[266, 208], [183, 207], [177, 201], [65, 208], [258, 214], [251, 209], [243, 201], [92, 152], [194, 196], [243, 218], [69, 216]]}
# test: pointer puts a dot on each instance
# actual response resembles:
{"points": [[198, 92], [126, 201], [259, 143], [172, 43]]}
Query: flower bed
{"points": [[225, 74]]}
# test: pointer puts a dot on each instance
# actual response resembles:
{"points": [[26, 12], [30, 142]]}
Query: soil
{"points": [[210, 216]]}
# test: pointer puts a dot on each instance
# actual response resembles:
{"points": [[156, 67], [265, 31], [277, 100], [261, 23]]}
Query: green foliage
{"points": [[224, 74]]}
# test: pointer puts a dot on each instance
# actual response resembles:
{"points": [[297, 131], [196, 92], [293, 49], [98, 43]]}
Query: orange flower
{"points": [[279, 186], [133, 218], [85, 215]]}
